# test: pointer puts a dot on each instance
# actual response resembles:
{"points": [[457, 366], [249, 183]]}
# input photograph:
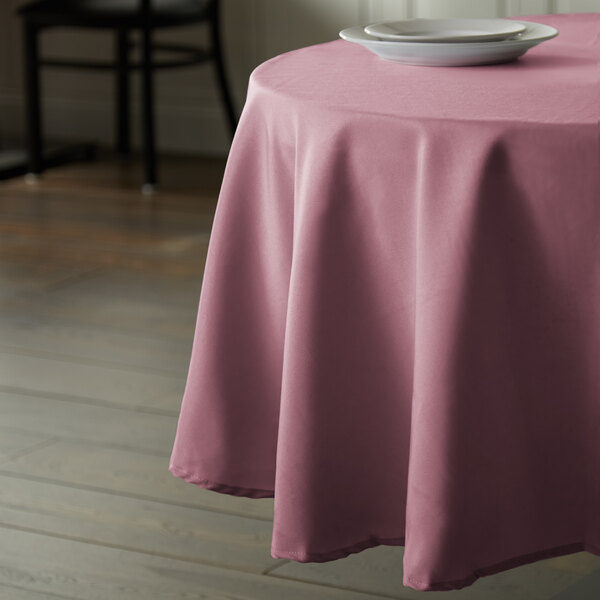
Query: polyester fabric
{"points": [[398, 334]]}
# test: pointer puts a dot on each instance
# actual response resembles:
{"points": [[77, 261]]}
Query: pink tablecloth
{"points": [[399, 330]]}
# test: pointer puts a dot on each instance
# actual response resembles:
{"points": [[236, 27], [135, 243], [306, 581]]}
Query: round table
{"points": [[398, 334]]}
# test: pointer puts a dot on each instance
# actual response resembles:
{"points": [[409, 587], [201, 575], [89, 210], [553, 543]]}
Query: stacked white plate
{"points": [[450, 42]]}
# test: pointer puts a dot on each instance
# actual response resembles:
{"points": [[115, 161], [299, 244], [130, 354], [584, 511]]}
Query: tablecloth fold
{"points": [[398, 335]]}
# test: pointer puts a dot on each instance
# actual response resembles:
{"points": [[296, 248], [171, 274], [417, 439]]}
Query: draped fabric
{"points": [[398, 334]]}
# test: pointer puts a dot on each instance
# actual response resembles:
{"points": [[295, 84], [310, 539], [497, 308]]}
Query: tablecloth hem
{"points": [[318, 557], [214, 486], [511, 563]]}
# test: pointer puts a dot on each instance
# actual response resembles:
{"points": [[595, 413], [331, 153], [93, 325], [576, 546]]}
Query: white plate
{"points": [[452, 54], [445, 30]]}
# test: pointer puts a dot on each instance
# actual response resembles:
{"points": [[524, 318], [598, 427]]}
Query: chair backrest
{"points": [[145, 7]]}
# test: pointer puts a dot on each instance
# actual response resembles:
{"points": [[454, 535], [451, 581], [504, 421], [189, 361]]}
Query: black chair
{"points": [[122, 16]]}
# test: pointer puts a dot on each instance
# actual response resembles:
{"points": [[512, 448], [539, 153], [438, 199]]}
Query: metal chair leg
{"points": [[33, 123], [149, 141], [123, 145], [221, 74]]}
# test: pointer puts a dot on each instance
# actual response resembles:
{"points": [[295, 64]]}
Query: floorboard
{"points": [[89, 572], [111, 386], [379, 570], [13, 443], [9, 592], [27, 334], [189, 534], [129, 473], [70, 419]]}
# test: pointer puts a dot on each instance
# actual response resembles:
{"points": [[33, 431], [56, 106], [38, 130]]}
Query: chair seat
{"points": [[114, 13]]}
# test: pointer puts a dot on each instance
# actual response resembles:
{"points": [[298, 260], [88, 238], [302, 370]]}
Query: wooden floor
{"points": [[98, 292]]}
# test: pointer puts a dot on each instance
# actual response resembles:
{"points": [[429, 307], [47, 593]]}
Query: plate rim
{"points": [[531, 26], [518, 28]]}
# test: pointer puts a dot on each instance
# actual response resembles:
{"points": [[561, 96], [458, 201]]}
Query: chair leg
{"points": [[149, 141], [221, 74], [123, 145], [33, 122]]}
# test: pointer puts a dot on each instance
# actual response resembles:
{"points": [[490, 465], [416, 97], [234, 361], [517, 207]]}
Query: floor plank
{"points": [[52, 203], [152, 392], [31, 319], [582, 563], [31, 334], [379, 570], [587, 588], [16, 593], [112, 226], [151, 527], [127, 473], [14, 442], [185, 180], [88, 572], [18, 278], [189, 261], [45, 416], [118, 314], [173, 292]]}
